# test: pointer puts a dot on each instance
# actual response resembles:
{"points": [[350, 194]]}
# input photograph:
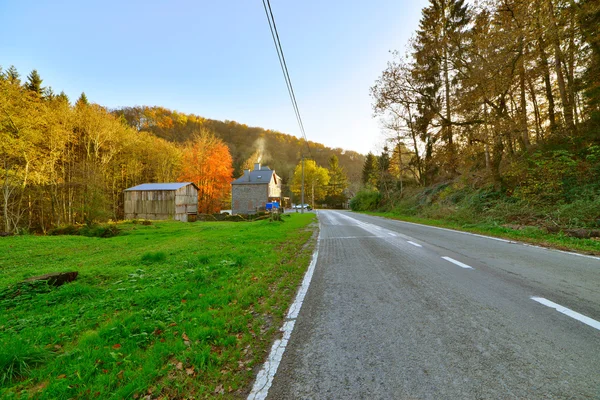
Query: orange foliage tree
{"points": [[208, 163]]}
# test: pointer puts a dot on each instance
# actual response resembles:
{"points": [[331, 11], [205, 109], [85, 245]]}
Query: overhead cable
{"points": [[284, 69]]}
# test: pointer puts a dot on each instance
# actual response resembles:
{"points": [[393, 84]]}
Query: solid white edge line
{"points": [[413, 243], [264, 378], [453, 261], [564, 310], [491, 237]]}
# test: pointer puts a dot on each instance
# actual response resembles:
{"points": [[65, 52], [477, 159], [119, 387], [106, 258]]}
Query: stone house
{"points": [[156, 201], [253, 190]]}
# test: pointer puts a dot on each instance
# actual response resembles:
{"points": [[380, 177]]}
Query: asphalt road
{"points": [[386, 317]]}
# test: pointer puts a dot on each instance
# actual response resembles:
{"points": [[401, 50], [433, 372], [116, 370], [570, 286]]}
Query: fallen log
{"points": [[55, 278]]}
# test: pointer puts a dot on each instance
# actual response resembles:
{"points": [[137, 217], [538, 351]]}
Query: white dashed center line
{"points": [[391, 234], [453, 261], [414, 244], [579, 317]]}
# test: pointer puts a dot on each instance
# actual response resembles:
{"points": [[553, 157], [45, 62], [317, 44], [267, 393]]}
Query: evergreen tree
{"points": [[49, 93], [13, 75], [82, 100], [63, 97], [436, 50], [34, 83], [589, 22], [369, 172], [384, 178], [338, 182]]}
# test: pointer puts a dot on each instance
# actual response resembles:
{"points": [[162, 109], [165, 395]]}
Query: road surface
{"points": [[405, 311]]}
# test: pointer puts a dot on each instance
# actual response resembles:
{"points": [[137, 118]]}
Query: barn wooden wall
{"points": [[186, 202], [161, 204]]}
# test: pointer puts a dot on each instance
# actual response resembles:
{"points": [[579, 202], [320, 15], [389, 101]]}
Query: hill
{"points": [[247, 145]]}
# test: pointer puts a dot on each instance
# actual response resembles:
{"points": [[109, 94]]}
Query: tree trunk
{"points": [[536, 111], [448, 122], [523, 101], [487, 138], [548, 85], [6, 195], [558, 62], [496, 161], [571, 64]]}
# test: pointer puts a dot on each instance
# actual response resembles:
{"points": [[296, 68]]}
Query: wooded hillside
{"points": [[246, 144], [69, 164], [502, 98]]}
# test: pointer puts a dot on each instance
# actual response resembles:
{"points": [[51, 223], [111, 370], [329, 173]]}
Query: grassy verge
{"points": [[530, 234], [170, 310]]}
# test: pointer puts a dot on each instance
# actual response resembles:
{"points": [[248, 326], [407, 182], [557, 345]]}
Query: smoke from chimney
{"points": [[261, 148]]}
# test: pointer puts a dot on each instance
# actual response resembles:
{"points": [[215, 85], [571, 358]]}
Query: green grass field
{"points": [[171, 310]]}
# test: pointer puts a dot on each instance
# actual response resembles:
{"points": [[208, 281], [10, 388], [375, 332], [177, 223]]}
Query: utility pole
{"points": [[302, 196]]}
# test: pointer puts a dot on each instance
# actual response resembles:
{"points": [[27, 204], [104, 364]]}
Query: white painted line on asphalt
{"points": [[354, 237], [560, 251], [392, 234], [495, 238], [453, 261], [414, 244], [573, 314], [265, 376]]}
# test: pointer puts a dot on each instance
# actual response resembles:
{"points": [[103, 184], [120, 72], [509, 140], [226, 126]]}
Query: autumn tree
{"points": [[495, 92], [206, 161], [316, 179], [396, 97]]}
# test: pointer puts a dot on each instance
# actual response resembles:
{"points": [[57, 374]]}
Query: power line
{"points": [[284, 69]]}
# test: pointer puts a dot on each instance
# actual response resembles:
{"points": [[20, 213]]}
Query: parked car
{"points": [[301, 206]]}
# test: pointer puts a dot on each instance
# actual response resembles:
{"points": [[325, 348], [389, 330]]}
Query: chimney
{"points": [[257, 166], [247, 174]]}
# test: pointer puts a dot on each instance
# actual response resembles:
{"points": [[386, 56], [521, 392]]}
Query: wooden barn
{"points": [[178, 201]]}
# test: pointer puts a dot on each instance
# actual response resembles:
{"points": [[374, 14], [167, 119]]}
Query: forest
{"points": [[64, 164], [493, 112]]}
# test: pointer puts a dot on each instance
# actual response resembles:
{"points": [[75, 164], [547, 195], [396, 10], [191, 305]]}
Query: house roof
{"points": [[261, 176], [160, 186]]}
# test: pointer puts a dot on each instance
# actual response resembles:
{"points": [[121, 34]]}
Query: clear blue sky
{"points": [[216, 58]]}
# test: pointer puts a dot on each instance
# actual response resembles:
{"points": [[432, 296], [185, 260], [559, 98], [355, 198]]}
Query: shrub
{"points": [[64, 230], [365, 200], [102, 231]]}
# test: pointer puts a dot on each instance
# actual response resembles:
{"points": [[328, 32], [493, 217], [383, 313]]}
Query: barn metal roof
{"points": [[160, 186]]}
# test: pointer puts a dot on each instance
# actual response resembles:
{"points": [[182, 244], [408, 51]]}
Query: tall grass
{"points": [[168, 310]]}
